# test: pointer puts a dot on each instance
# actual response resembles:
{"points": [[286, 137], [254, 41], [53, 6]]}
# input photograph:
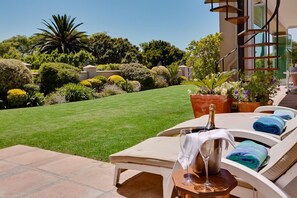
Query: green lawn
{"points": [[96, 128]]}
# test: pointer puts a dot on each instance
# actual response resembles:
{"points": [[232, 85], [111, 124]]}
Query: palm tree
{"points": [[62, 35]]}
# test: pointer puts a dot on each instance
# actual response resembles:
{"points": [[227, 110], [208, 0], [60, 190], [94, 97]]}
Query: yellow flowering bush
{"points": [[115, 79], [16, 97], [85, 83]]}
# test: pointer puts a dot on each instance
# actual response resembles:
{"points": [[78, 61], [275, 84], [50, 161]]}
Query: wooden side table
{"points": [[223, 183]]}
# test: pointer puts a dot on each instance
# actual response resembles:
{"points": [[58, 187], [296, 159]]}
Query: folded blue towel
{"points": [[284, 114], [270, 124], [249, 153]]}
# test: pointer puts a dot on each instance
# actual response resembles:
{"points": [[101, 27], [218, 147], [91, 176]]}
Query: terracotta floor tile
{"points": [[96, 177], [32, 172], [112, 194], [33, 157], [6, 166], [22, 183], [66, 189], [145, 184], [68, 165], [15, 150]]}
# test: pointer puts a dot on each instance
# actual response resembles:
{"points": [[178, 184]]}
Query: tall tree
{"points": [[203, 55], [61, 34], [19, 44], [113, 50], [158, 52]]}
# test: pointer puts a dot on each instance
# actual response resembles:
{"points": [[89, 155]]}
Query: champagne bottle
{"points": [[216, 150], [211, 122]]}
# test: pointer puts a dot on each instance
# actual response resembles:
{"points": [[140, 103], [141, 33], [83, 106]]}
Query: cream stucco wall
{"points": [[229, 35]]}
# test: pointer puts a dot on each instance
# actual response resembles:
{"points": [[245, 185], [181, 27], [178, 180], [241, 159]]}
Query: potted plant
{"points": [[256, 90], [213, 89]]}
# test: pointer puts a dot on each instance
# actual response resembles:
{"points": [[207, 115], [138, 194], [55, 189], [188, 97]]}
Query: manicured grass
{"points": [[96, 128]]}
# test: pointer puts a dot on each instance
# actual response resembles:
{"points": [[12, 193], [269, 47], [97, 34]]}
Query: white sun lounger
{"points": [[158, 155], [235, 121]]}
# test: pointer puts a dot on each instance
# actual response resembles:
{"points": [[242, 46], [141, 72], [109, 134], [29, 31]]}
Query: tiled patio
{"points": [[32, 172]]}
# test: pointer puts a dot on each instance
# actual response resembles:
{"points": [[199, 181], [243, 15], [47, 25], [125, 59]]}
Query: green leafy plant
{"points": [[133, 86], [203, 55], [34, 97], [139, 72], [76, 92], [160, 81], [55, 75], [259, 87], [55, 98], [94, 83], [110, 90], [103, 79], [161, 71], [173, 71], [13, 74], [215, 83]]}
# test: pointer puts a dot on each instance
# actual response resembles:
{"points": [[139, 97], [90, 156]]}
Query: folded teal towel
{"points": [[284, 114], [270, 124], [249, 153]]}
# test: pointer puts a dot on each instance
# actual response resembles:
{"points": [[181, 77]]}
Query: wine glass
{"points": [[205, 152], [187, 180]]}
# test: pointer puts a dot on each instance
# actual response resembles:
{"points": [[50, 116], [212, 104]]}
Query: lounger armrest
{"points": [[258, 181], [273, 108], [257, 136]]}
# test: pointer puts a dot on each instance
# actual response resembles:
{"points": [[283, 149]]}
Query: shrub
{"points": [[76, 92], [86, 83], [16, 97], [173, 71], [103, 79], [161, 71], [92, 83], [13, 74], [55, 75], [96, 83], [31, 88], [80, 58], [34, 97], [111, 66], [55, 98], [139, 72], [181, 79], [133, 86], [115, 79], [160, 82], [110, 90]]}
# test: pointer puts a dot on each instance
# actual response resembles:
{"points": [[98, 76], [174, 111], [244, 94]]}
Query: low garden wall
{"points": [[90, 71]]}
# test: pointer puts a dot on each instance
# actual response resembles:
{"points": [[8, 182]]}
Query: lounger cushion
{"points": [[155, 151], [282, 156]]}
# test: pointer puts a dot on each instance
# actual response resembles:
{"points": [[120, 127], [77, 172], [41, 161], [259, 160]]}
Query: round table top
{"points": [[223, 183]]}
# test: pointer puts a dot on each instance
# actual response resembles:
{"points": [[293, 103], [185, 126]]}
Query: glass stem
{"points": [[188, 177], [206, 169]]}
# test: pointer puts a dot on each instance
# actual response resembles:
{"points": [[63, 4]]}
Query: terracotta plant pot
{"points": [[248, 106], [200, 104]]}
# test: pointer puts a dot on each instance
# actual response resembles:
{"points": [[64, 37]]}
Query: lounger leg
{"points": [[117, 173], [167, 186]]}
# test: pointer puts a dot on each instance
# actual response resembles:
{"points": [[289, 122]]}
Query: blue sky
{"points": [[175, 21]]}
